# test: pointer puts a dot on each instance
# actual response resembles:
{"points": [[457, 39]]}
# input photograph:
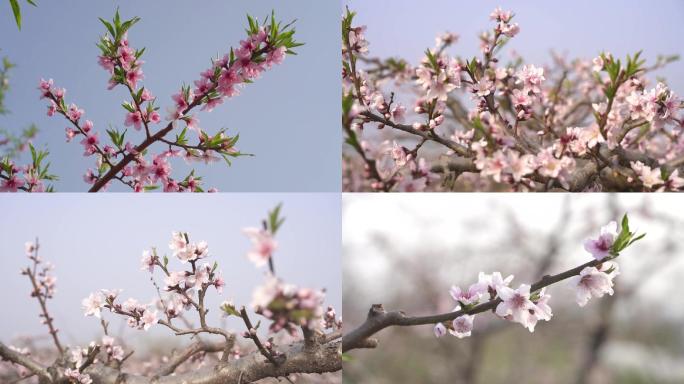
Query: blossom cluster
{"points": [[528, 306], [578, 125], [134, 164], [31, 177], [288, 306]]}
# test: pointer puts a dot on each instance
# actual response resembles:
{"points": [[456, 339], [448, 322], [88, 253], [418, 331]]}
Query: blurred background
{"points": [[285, 118], [405, 251], [96, 242]]}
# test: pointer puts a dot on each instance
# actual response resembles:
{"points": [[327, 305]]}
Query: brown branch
{"points": [[322, 358], [427, 135], [378, 319], [251, 331], [25, 361], [31, 273]]}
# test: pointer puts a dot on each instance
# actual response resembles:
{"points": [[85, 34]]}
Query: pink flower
{"points": [[600, 248], [483, 87], [146, 95], [193, 123], [181, 102], [520, 166], [440, 87], [52, 108], [133, 76], [134, 119], [520, 98], [106, 63], [171, 185], [219, 283], [89, 177], [649, 177], [126, 56], [70, 134], [463, 326], [45, 85], [74, 112], [516, 305], [154, 117], [592, 282], [275, 56], [263, 245], [500, 15], [531, 78], [87, 126], [92, 304], [160, 168], [89, 143], [11, 184]]}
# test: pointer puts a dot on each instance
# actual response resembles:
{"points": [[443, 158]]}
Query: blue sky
{"points": [[95, 241], [580, 28], [289, 118]]}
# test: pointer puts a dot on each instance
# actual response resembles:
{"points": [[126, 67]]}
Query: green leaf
{"points": [[17, 12], [230, 310], [109, 27]]}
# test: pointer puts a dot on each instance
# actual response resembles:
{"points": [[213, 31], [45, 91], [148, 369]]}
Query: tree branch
{"points": [[7, 354], [378, 319]]}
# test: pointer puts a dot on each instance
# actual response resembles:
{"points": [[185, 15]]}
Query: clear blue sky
{"points": [[289, 118], [581, 28], [95, 241]]}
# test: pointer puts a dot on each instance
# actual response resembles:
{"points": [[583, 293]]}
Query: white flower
{"points": [[463, 326], [493, 281], [516, 305], [147, 261], [149, 318], [592, 282], [92, 304], [542, 310], [178, 244]]}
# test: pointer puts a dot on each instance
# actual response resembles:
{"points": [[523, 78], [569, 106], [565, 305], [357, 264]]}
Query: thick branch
{"points": [[300, 359], [25, 361]]}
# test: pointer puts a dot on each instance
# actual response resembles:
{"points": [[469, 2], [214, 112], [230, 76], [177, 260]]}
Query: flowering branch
{"points": [[521, 134], [266, 45], [287, 307], [526, 305], [43, 288]]}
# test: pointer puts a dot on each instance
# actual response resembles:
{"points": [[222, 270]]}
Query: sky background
{"points": [[289, 118], [96, 241], [580, 28]]}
